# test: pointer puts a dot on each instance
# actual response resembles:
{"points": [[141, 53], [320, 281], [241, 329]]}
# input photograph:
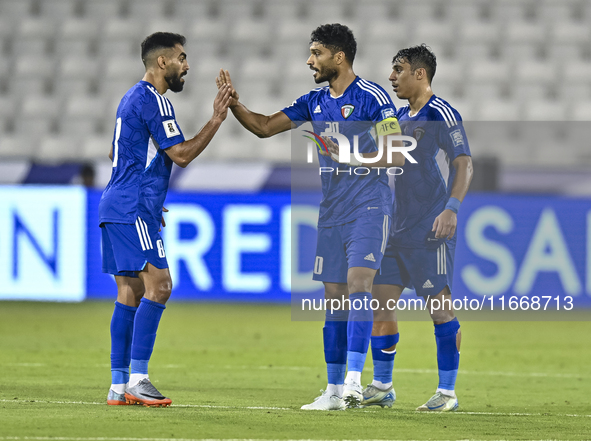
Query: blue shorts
{"points": [[361, 242], [128, 247], [427, 271]]}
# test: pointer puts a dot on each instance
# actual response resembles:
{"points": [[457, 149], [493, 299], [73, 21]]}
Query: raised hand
{"points": [[223, 79], [222, 101]]}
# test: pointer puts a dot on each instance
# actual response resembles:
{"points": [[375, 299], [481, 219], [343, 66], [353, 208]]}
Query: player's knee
{"points": [[163, 291], [359, 284]]}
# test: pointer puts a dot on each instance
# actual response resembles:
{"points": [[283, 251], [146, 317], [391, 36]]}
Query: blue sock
{"points": [[448, 356], [145, 326], [121, 335], [383, 364], [358, 330], [335, 345]]}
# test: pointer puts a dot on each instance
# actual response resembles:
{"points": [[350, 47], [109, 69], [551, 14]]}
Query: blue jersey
{"points": [[347, 196], [145, 127], [423, 189]]}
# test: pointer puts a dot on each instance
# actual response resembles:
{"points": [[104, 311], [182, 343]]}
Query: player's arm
{"points": [[111, 153], [445, 224], [262, 126], [183, 153], [384, 128]]}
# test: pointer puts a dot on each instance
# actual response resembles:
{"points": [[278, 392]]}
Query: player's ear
{"points": [[339, 57], [420, 73], [161, 60]]}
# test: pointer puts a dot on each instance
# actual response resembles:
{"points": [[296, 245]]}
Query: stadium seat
{"points": [[96, 147], [163, 25], [552, 11], [326, 11], [205, 37], [102, 9], [498, 110], [16, 8], [124, 68], [82, 112], [75, 36], [284, 10], [433, 32], [58, 148], [143, 10], [58, 9], [17, 146], [544, 110], [581, 111], [186, 10], [235, 10], [250, 38]]}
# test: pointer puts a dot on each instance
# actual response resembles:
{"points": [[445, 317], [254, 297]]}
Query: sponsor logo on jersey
{"points": [[370, 257], [347, 110], [318, 109], [171, 128], [457, 137], [388, 113], [418, 133], [428, 284]]}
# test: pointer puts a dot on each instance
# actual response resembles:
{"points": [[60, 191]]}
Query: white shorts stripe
{"points": [[139, 233], [385, 231], [377, 97], [374, 87], [444, 259], [146, 235], [157, 99], [439, 260]]}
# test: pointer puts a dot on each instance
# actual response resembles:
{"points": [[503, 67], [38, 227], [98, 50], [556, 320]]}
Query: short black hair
{"points": [[417, 57], [161, 40], [336, 37]]}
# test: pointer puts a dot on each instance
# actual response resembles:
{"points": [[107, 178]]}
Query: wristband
{"points": [[453, 204]]}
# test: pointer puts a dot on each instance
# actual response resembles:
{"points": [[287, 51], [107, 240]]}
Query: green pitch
{"points": [[243, 371]]}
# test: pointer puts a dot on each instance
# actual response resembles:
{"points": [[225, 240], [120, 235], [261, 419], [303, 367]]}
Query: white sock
{"points": [[380, 385], [353, 377], [136, 378], [449, 393], [335, 389], [118, 388]]}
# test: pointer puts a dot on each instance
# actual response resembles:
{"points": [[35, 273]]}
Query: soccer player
{"points": [[420, 251], [355, 211], [147, 141]]}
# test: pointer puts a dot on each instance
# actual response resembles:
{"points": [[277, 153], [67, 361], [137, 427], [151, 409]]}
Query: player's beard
{"points": [[174, 82], [326, 74]]}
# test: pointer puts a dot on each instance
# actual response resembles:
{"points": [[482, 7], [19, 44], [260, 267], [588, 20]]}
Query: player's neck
{"points": [[158, 82], [417, 101], [339, 84]]}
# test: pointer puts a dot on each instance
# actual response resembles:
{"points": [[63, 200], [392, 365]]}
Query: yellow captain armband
{"points": [[389, 126]]}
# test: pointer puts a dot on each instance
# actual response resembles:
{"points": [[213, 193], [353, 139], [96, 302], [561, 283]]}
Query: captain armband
{"points": [[389, 126]]}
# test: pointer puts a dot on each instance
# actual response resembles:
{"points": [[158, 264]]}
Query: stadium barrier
{"points": [[240, 247]]}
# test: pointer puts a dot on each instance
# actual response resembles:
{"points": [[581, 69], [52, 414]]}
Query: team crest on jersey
{"points": [[347, 110], [418, 133]]}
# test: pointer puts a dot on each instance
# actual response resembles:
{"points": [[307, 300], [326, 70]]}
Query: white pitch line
{"points": [[208, 406]]}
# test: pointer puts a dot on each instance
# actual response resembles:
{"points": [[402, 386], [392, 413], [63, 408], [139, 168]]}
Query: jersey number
{"points": [[116, 142], [318, 265], [332, 127]]}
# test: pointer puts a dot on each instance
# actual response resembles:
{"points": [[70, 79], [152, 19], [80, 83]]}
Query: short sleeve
{"points": [[158, 114], [299, 111], [452, 136], [378, 103]]}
